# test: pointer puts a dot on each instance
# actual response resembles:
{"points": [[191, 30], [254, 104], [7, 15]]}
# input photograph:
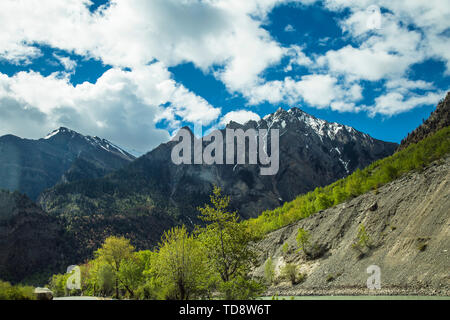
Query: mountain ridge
{"points": [[30, 166], [152, 187]]}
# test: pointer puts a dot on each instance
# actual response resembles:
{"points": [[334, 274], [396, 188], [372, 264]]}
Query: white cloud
{"points": [[66, 62], [365, 64], [223, 37], [19, 54], [405, 84], [432, 18], [318, 90], [289, 28], [395, 102], [239, 116], [121, 106]]}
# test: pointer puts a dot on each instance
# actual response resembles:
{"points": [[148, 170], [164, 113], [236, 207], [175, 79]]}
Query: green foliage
{"points": [[241, 287], [227, 245], [289, 272], [285, 248], [180, 266], [363, 240], [303, 239], [106, 280], [58, 285], [269, 271], [115, 253], [414, 157], [216, 259], [17, 292]]}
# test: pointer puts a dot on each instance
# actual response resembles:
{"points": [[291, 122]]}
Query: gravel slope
{"points": [[408, 223]]}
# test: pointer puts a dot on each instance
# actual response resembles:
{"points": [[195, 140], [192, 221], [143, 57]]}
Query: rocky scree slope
{"points": [[408, 224]]}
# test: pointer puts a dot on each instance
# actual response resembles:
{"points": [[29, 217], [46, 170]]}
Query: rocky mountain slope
{"points": [[313, 153], [408, 226], [30, 166], [439, 118]]}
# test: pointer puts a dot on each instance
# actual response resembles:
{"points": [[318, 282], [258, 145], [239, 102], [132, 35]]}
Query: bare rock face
{"points": [[408, 234]]}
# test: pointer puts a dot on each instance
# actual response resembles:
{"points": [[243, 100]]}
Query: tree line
{"points": [[211, 262]]}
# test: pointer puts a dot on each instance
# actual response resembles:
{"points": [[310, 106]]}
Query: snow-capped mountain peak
{"points": [[68, 136]]}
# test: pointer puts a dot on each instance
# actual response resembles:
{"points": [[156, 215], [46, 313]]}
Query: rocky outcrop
{"points": [[407, 223]]}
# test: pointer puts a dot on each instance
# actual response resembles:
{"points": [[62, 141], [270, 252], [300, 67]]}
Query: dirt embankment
{"points": [[407, 223]]}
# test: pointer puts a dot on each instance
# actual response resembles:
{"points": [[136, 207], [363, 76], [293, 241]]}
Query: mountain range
{"points": [[89, 188], [31, 166]]}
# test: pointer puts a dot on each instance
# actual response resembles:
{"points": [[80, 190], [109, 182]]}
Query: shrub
{"points": [[285, 248], [17, 292], [302, 239], [269, 271], [363, 240], [289, 272]]}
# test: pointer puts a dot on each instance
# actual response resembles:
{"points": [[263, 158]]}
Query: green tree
{"points": [[269, 271], [17, 292], [289, 272], [180, 266], [322, 201], [105, 280], [303, 239], [228, 245], [113, 253]]}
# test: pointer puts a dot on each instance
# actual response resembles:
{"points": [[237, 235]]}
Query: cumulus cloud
{"points": [[239, 116], [122, 105], [396, 102], [131, 34], [66, 62], [318, 90], [225, 38]]}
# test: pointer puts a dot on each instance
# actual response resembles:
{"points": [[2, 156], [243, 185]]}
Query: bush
{"points": [[302, 239], [17, 292], [363, 240], [269, 271], [241, 288], [289, 272]]}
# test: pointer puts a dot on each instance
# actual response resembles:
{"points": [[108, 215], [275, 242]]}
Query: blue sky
{"points": [[134, 71]]}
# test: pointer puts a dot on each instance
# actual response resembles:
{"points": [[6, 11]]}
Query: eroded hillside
{"points": [[408, 224]]}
